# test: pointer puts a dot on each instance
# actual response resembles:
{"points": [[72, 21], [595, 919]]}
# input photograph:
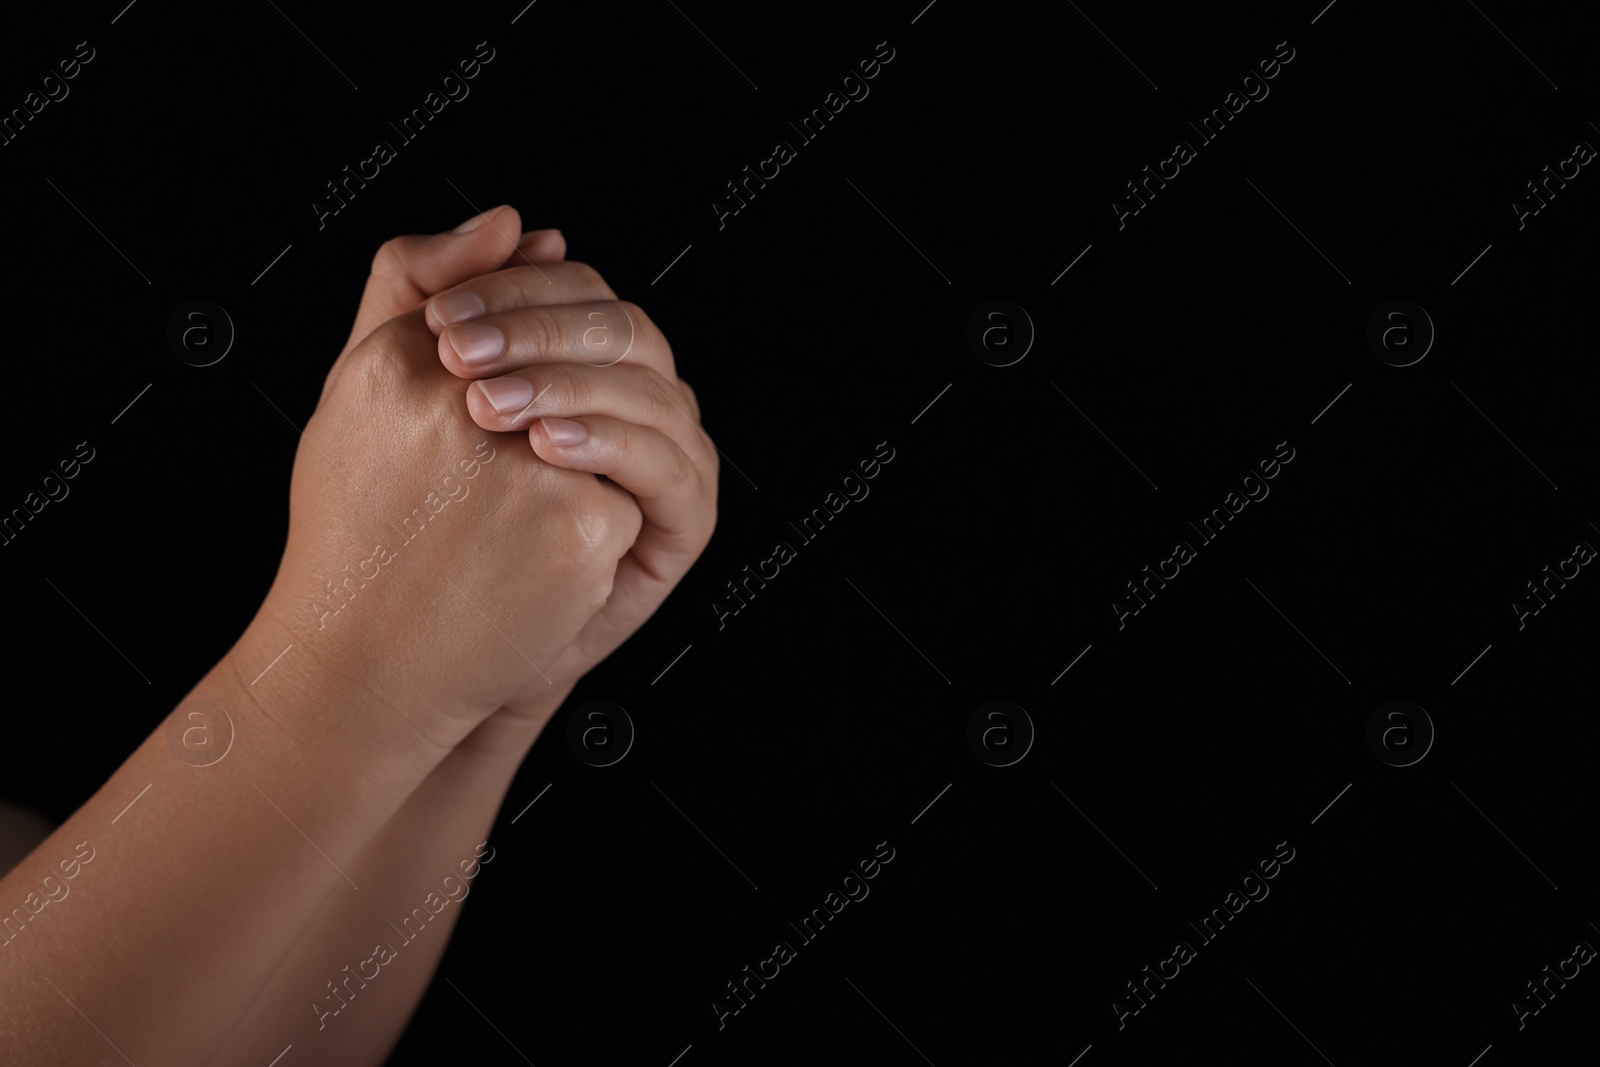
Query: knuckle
{"points": [[390, 257], [384, 375], [587, 278], [585, 532], [595, 533], [624, 442], [540, 329], [660, 403], [571, 391], [694, 401], [593, 538], [641, 320], [682, 472], [646, 333], [525, 282], [379, 358]]}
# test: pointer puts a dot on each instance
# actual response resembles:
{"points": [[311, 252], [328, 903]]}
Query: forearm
{"points": [[202, 875], [349, 987]]}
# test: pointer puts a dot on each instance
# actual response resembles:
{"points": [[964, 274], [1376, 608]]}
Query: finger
{"points": [[536, 246], [631, 392], [409, 269], [532, 249], [671, 490], [436, 262], [600, 334], [566, 282], [694, 401]]}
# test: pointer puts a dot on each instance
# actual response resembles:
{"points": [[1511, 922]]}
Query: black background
{"points": [[819, 321]]}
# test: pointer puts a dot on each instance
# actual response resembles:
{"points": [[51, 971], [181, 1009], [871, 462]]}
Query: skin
{"points": [[377, 752]]}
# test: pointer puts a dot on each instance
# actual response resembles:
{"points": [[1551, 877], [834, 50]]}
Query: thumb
{"points": [[413, 267], [426, 264], [486, 242], [441, 261]]}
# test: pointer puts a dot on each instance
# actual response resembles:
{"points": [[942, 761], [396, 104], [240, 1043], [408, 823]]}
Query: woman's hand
{"points": [[427, 561], [409, 270], [552, 352]]}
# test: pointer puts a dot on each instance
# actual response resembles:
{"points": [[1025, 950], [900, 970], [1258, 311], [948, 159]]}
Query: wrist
{"points": [[503, 740], [321, 699]]}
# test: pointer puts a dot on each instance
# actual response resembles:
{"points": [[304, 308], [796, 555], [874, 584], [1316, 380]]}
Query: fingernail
{"points": [[507, 395], [458, 307], [475, 221], [477, 342], [564, 431]]}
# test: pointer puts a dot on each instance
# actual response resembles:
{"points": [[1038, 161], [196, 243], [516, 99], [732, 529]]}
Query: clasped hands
{"points": [[598, 494]]}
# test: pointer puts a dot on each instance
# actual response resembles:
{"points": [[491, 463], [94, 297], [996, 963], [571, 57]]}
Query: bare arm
{"points": [[349, 987], [347, 990], [190, 873], [145, 927]]}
